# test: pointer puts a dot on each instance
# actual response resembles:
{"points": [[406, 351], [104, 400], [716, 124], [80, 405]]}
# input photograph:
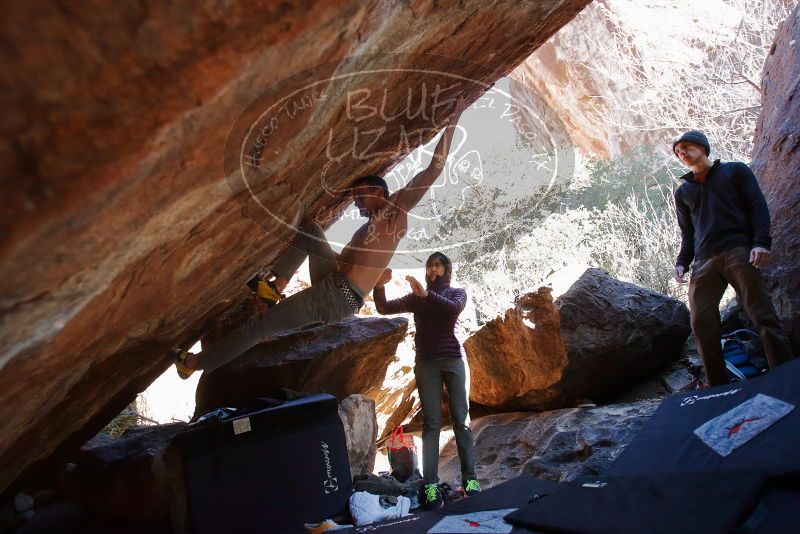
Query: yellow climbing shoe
{"points": [[179, 359], [266, 290]]}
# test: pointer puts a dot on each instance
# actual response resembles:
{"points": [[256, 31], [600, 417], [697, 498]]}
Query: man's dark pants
{"points": [[710, 278]]}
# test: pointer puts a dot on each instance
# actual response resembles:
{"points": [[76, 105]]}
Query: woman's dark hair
{"points": [[448, 267], [373, 180], [441, 257]]}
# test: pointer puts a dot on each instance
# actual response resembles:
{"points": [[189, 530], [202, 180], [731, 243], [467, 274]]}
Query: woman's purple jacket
{"points": [[435, 316]]}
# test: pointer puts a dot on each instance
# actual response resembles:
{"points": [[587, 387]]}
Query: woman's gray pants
{"points": [[431, 375]]}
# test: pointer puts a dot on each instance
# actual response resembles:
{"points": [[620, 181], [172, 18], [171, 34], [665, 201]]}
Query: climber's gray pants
{"points": [[323, 302]]}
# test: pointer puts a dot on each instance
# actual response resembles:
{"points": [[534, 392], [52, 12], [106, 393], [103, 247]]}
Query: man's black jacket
{"points": [[727, 210]]}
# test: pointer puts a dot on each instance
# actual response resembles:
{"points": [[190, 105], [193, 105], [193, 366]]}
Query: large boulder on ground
{"points": [[617, 333], [597, 339], [357, 413], [559, 445], [341, 359], [776, 163], [126, 478], [516, 360], [122, 235]]}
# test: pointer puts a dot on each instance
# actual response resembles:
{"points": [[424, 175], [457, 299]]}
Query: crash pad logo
{"points": [[734, 428], [331, 483], [691, 399], [479, 521], [296, 148]]}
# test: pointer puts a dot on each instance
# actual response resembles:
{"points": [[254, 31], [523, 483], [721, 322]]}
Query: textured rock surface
{"points": [[361, 430], [120, 235], [341, 359], [614, 79], [597, 339], [560, 72], [125, 478], [575, 73], [512, 364], [558, 445], [776, 163], [618, 333]]}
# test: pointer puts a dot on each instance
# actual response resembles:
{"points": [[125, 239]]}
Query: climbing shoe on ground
{"points": [[266, 290], [179, 358], [431, 497], [472, 487], [325, 526]]}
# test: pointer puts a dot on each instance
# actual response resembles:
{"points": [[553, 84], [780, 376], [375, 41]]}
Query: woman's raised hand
{"points": [[416, 287]]}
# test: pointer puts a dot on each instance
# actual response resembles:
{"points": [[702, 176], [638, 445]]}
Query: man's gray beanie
{"points": [[694, 136]]}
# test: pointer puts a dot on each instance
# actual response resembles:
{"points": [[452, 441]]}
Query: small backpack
{"points": [[402, 454], [743, 355]]}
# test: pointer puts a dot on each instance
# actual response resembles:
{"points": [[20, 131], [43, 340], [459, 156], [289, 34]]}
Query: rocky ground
{"points": [[570, 442]]}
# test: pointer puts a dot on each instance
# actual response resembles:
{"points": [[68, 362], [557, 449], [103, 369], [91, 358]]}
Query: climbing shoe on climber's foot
{"points": [[266, 290], [179, 358]]}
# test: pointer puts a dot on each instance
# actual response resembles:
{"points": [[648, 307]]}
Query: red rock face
{"points": [[120, 233], [599, 338], [515, 360], [342, 359], [573, 73], [776, 163]]}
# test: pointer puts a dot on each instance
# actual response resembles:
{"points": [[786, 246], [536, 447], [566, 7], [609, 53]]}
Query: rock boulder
{"points": [[776, 163], [560, 445], [127, 478], [122, 234], [342, 359], [597, 339], [357, 413]]}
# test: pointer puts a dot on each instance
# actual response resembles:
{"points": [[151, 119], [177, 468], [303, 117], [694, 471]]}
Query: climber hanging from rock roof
{"points": [[339, 281]]}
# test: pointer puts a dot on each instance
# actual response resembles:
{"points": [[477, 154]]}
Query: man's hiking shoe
{"points": [[179, 358], [695, 385], [472, 487], [431, 497], [266, 290]]}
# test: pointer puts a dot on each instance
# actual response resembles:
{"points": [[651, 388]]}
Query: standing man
{"points": [[725, 229], [339, 282]]}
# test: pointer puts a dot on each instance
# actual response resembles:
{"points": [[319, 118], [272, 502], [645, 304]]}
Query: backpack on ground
{"points": [[744, 357], [402, 454]]}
